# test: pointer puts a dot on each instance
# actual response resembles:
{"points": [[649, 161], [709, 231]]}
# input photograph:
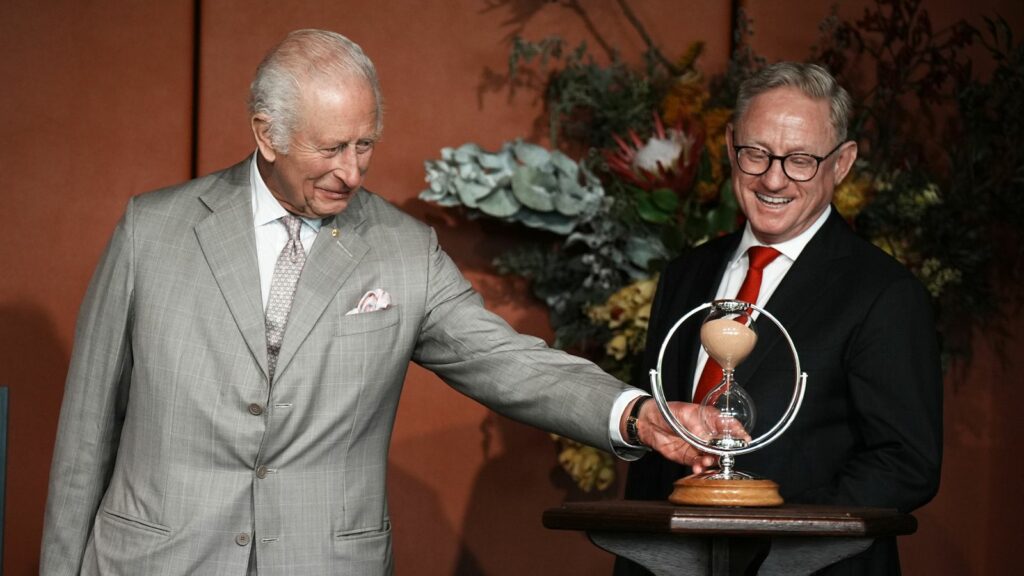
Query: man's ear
{"points": [[261, 131], [728, 142], [844, 162]]}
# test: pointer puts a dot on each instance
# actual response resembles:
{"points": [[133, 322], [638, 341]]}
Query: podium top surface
{"points": [[786, 520]]}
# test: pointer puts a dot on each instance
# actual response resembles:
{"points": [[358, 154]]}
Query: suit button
{"points": [[261, 472], [255, 409], [242, 539]]}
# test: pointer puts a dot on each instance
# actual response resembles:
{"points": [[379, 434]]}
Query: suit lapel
{"points": [[228, 242], [808, 275], [330, 262]]}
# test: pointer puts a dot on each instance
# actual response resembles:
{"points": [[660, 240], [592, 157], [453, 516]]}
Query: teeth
{"points": [[774, 200]]}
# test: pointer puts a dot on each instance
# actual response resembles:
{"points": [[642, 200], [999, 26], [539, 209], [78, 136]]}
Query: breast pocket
{"points": [[367, 321]]}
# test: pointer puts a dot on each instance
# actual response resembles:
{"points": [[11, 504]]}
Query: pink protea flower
{"points": [[668, 159]]}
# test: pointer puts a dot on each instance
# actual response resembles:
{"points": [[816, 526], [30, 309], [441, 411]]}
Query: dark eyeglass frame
{"points": [[782, 160]]}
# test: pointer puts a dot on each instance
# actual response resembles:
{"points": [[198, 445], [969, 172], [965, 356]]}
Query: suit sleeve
{"points": [[93, 408], [479, 354], [895, 387]]}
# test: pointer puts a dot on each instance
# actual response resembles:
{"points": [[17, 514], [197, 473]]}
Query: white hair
{"points": [[303, 56]]}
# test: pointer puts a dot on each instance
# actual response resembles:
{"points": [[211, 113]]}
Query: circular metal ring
{"points": [[658, 391]]}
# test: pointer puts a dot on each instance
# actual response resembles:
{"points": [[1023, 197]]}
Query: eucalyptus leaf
{"points": [[466, 153], [573, 199], [502, 161], [550, 221], [531, 195], [564, 164], [500, 204], [641, 251], [531, 154], [470, 193]]}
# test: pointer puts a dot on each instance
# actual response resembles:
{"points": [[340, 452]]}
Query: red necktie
{"points": [[759, 257]]}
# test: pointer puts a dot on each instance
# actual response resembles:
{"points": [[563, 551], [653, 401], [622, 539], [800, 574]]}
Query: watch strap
{"points": [[632, 432]]}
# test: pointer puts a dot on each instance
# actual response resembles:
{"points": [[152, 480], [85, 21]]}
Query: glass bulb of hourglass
{"points": [[727, 412]]}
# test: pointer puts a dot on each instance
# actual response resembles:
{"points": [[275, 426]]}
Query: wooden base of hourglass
{"points": [[697, 491]]}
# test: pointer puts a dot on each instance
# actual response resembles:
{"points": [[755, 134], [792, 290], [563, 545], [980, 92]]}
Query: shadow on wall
{"points": [[518, 481], [418, 523], [34, 365]]}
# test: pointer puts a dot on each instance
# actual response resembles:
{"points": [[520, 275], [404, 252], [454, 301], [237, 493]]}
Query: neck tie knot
{"points": [[758, 257], [761, 256], [293, 224]]}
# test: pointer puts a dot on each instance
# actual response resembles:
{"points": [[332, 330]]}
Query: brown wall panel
{"points": [[96, 106]]}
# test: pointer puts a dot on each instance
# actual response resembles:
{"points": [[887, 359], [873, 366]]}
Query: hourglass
{"points": [[727, 413]]}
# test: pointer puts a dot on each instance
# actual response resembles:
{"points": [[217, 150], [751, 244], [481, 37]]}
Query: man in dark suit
{"points": [[870, 429]]}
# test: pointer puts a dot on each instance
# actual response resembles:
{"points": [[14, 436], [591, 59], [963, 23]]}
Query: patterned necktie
{"points": [[282, 288], [759, 257]]}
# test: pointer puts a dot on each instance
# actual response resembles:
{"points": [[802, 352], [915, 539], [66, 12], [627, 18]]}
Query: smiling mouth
{"points": [[772, 200]]}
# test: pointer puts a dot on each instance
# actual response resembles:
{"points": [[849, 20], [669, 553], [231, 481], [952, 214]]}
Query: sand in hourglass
{"points": [[727, 341]]}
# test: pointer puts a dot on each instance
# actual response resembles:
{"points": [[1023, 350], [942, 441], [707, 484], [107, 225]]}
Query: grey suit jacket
{"points": [[174, 456]]}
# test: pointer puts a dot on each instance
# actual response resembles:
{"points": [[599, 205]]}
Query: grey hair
{"points": [[811, 79], [306, 55]]}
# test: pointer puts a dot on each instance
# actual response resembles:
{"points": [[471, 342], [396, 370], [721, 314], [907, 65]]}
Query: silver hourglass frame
{"points": [[727, 454]]}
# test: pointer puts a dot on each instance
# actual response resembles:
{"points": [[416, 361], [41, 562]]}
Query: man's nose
{"points": [[346, 167], [775, 178]]}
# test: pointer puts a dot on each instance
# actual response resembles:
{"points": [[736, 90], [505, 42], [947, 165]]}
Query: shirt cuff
{"points": [[620, 447]]}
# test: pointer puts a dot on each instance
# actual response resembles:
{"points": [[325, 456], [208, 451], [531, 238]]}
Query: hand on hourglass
{"points": [[655, 433]]}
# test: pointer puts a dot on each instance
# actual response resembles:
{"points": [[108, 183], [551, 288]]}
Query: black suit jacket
{"points": [[869, 432]]}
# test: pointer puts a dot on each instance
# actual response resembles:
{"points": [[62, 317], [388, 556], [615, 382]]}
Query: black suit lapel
{"points": [[809, 274]]}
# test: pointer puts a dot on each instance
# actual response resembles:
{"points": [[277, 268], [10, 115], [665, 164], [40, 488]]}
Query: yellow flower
{"points": [[617, 346], [687, 96], [715, 120], [627, 313], [936, 276], [852, 195], [588, 467]]}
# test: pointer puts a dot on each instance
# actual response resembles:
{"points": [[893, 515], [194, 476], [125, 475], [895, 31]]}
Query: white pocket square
{"points": [[371, 302]]}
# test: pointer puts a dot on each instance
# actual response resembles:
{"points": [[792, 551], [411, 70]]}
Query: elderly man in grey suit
{"points": [[241, 349]]}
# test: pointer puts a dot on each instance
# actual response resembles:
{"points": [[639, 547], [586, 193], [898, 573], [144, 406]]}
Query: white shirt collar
{"points": [[791, 248], [266, 208]]}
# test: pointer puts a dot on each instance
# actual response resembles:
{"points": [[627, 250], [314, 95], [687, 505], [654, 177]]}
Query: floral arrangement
{"points": [[651, 178]]}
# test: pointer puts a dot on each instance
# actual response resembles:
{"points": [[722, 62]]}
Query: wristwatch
{"points": [[632, 434]]}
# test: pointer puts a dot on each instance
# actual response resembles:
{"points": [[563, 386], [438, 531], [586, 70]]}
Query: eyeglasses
{"points": [[798, 167]]}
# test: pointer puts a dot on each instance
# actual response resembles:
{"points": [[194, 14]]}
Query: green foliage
{"points": [[942, 144], [588, 102]]}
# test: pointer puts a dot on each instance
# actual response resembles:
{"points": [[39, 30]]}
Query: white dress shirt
{"points": [[736, 271]]}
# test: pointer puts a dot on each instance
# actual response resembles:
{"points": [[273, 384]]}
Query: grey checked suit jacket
{"points": [[162, 469]]}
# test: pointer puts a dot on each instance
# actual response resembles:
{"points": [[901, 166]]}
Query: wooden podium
{"points": [[674, 540]]}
